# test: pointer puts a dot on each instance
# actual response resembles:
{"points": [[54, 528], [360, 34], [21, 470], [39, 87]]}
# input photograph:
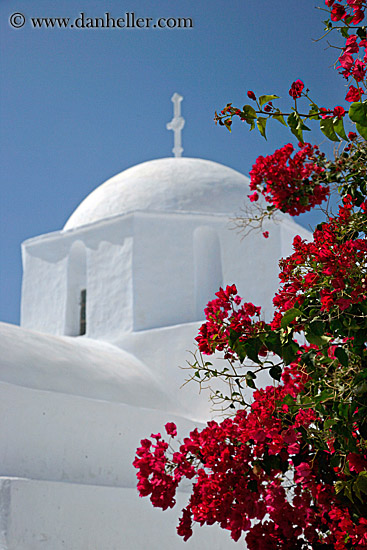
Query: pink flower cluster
{"points": [[237, 467], [223, 315], [296, 89], [332, 265], [286, 181], [355, 9], [352, 66]]}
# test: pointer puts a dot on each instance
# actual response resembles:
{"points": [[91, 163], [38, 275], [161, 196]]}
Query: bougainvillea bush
{"points": [[288, 470]]}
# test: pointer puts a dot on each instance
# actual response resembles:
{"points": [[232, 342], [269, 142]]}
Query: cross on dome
{"points": [[177, 124]]}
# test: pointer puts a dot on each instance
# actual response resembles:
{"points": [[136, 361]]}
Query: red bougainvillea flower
{"points": [[296, 89], [359, 70], [354, 94], [358, 16], [286, 182], [338, 12], [352, 136], [223, 315], [339, 112], [351, 45], [327, 264], [346, 62], [254, 197], [251, 95], [236, 470], [171, 429]]}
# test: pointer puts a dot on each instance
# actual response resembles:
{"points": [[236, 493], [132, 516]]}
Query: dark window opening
{"points": [[83, 304]]}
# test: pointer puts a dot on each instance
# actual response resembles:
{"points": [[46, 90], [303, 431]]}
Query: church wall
{"points": [[109, 292], [208, 272], [128, 289], [166, 291], [50, 435], [201, 253], [163, 271], [252, 264], [68, 516], [56, 267], [43, 292]]}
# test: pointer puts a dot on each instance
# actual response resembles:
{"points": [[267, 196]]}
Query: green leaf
{"points": [[289, 316], [362, 130], [361, 32], [272, 342], [341, 354], [252, 347], [249, 377], [304, 127], [293, 120], [358, 113], [348, 21], [289, 352], [279, 117], [338, 126], [309, 358], [317, 328], [317, 340], [344, 410], [249, 111], [233, 337], [357, 491], [276, 372], [314, 110], [296, 126], [250, 115], [329, 423], [298, 133], [325, 395], [266, 98], [327, 128], [361, 482], [344, 32], [261, 124], [328, 24], [348, 491]]}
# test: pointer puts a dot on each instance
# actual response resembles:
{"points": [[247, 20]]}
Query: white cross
{"points": [[176, 124]]}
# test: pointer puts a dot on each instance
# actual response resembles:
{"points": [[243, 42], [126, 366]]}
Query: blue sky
{"points": [[80, 105]]}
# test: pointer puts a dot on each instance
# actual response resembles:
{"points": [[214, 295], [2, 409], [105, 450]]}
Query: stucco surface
{"points": [[168, 184], [42, 515], [78, 366]]}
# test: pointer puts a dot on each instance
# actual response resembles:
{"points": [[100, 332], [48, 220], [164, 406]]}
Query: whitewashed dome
{"points": [[168, 184]]}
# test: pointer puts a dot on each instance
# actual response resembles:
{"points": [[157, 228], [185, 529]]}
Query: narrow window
{"points": [[76, 294], [83, 305]]}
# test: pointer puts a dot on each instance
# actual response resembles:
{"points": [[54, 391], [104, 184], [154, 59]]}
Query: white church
{"points": [[110, 308]]}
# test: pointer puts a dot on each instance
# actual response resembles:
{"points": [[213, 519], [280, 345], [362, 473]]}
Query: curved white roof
{"points": [[168, 184], [78, 366]]}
